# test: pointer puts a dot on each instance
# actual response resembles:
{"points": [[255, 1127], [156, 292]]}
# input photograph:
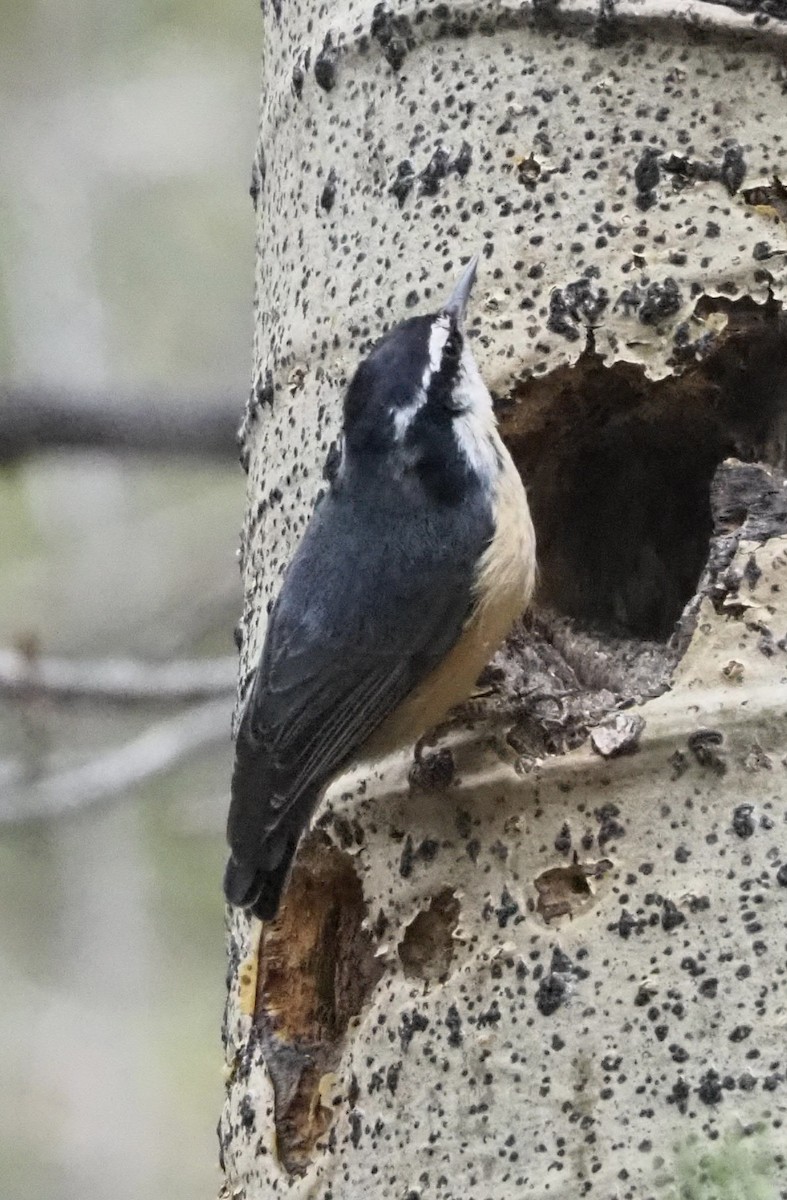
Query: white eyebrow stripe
{"points": [[437, 340]]}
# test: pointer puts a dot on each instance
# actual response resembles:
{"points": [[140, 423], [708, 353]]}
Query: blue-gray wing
{"points": [[358, 624]]}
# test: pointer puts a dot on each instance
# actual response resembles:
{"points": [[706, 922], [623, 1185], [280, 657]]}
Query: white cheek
{"points": [[475, 429], [473, 391], [477, 446]]}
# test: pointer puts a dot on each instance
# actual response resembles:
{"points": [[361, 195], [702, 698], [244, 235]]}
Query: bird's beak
{"points": [[456, 304]]}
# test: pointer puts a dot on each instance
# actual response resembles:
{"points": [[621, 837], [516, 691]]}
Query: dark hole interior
{"points": [[618, 471]]}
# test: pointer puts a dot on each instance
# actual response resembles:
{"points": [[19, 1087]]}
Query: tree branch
{"points": [[119, 680], [158, 749], [34, 418]]}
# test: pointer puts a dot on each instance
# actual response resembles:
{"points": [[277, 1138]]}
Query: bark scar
{"points": [[316, 970]]}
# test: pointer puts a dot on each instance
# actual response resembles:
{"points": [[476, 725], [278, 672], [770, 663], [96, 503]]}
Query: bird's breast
{"points": [[503, 586]]}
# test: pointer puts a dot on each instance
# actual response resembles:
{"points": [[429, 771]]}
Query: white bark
{"points": [[536, 979]]}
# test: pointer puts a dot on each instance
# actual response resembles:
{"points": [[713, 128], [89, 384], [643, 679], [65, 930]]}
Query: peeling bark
{"points": [[427, 946]]}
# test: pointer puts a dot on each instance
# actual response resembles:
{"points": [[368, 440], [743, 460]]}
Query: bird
{"points": [[411, 571]]}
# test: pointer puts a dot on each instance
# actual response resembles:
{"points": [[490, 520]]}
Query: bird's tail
{"points": [[256, 888]]}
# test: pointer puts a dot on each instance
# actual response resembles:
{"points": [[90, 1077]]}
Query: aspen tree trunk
{"points": [[548, 959]]}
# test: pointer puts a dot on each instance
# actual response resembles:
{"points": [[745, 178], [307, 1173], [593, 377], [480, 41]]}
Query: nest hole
{"points": [[618, 469]]}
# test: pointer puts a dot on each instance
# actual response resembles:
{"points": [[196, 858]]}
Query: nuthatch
{"points": [[410, 573]]}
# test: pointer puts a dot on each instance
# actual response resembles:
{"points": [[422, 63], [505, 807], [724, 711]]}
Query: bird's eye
{"points": [[452, 351]]}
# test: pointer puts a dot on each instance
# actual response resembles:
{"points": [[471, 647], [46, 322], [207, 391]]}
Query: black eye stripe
{"points": [[442, 382]]}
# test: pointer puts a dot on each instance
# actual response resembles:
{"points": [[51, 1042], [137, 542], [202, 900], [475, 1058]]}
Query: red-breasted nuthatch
{"points": [[410, 573]]}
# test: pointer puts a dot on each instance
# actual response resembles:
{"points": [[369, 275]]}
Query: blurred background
{"points": [[126, 266]]}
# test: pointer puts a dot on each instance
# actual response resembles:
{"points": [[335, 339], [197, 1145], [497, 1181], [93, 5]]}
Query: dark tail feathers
{"points": [[258, 889]]}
